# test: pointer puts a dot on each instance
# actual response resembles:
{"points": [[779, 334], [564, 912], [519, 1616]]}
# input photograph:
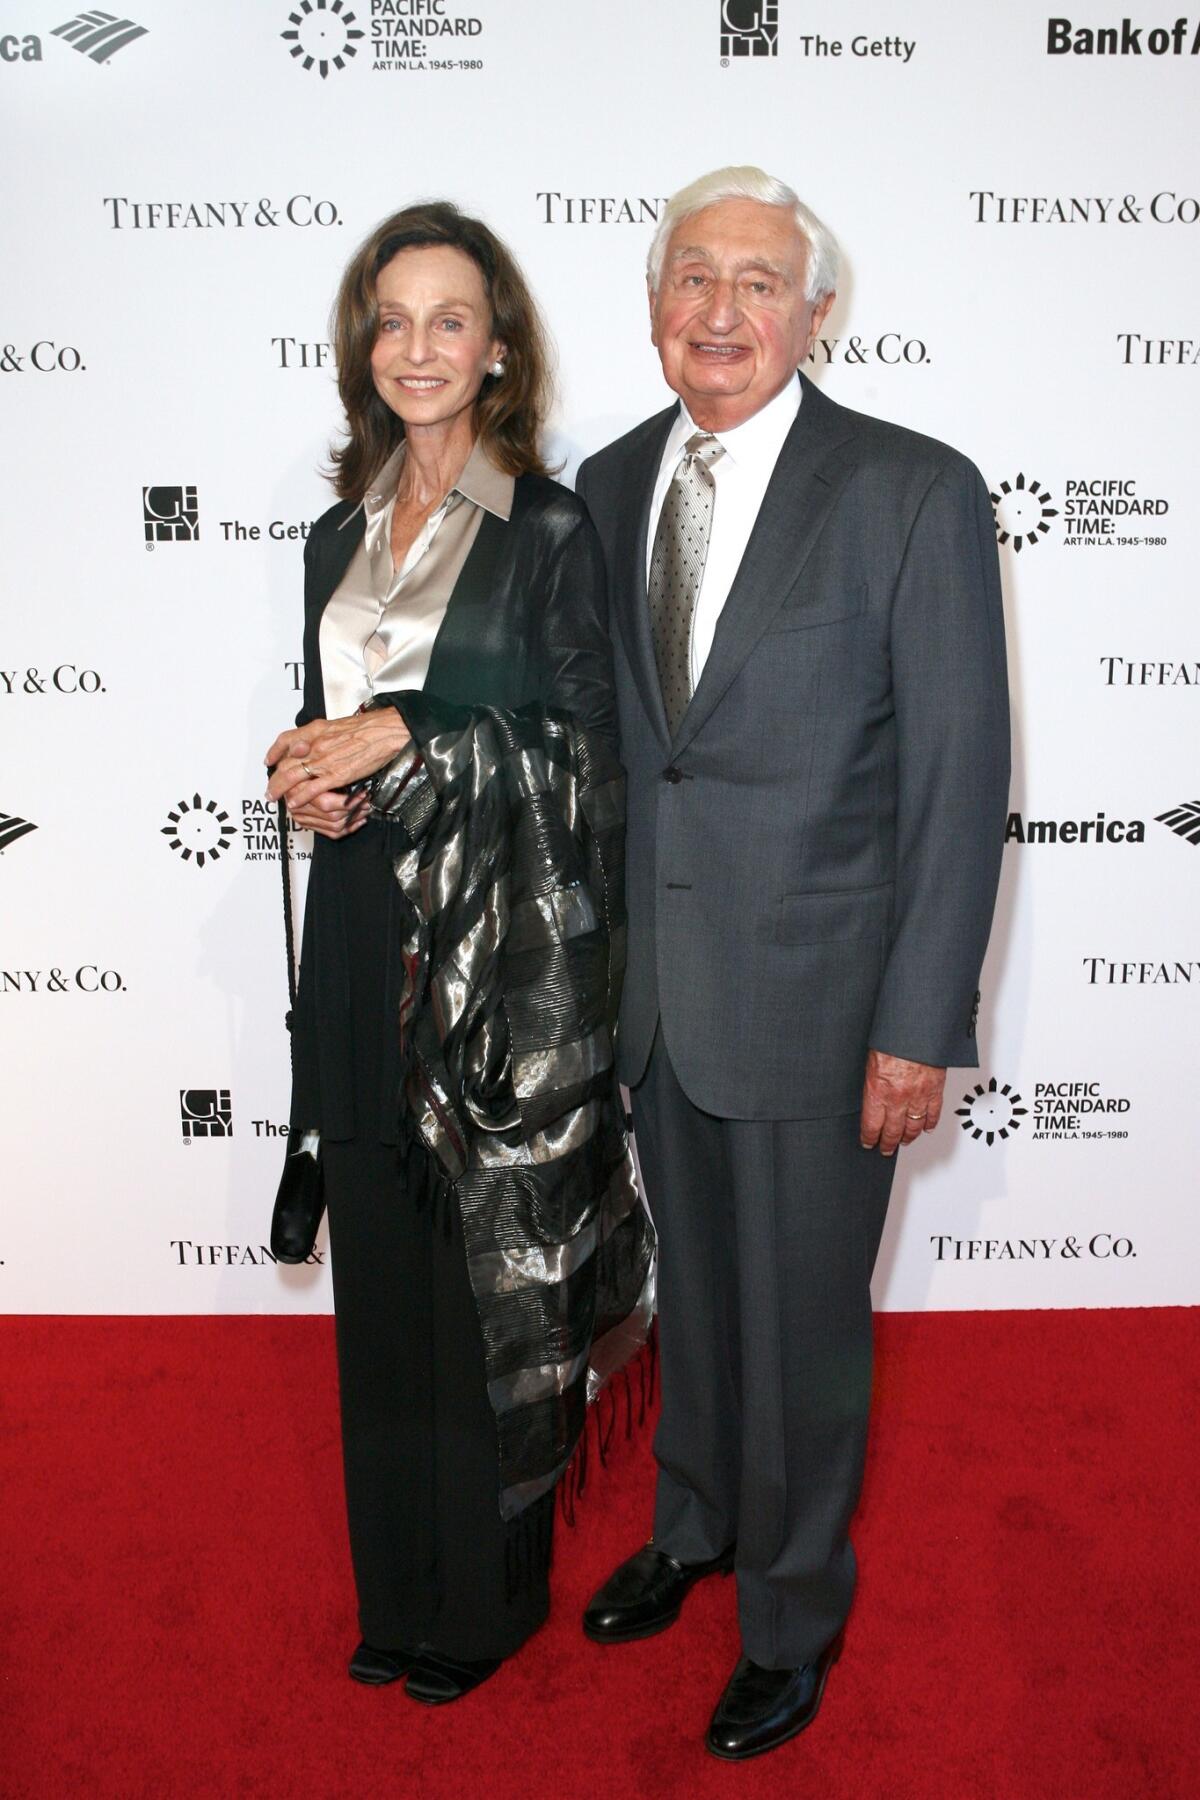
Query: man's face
{"points": [[730, 321]]}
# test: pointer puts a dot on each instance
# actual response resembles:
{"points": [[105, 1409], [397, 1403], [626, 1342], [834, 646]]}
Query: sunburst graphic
{"points": [[991, 1111], [322, 35], [1023, 512], [199, 830]]}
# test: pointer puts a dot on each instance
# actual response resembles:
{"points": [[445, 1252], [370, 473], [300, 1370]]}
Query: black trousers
{"points": [[434, 1563], [768, 1232], [433, 1560]]}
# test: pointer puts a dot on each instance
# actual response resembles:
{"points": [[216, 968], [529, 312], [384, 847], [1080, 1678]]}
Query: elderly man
{"points": [[813, 711]]}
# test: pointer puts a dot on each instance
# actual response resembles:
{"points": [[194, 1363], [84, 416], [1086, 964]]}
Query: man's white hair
{"points": [[748, 183]]}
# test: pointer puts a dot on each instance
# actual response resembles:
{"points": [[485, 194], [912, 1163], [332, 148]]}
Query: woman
{"points": [[451, 564]]}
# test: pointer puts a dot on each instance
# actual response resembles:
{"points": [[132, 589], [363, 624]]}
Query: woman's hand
{"points": [[312, 761], [332, 815]]}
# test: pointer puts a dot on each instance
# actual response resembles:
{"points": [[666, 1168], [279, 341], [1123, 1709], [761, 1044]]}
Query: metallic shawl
{"points": [[513, 944]]}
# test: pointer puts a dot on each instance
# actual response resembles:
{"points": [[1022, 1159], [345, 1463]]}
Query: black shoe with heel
{"points": [[375, 1668], [435, 1679]]}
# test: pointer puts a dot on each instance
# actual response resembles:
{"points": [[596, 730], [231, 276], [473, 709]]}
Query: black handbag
{"points": [[300, 1201]]}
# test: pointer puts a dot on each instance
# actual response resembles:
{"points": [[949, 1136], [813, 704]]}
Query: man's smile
{"points": [[705, 347]]}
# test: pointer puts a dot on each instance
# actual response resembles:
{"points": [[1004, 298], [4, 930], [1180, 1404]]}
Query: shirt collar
{"points": [[485, 485], [481, 482], [754, 445]]}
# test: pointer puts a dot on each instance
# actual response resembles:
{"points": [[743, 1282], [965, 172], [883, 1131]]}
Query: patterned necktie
{"points": [[677, 569]]}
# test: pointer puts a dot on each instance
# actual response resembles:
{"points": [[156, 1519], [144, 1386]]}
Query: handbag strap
{"points": [[289, 930]]}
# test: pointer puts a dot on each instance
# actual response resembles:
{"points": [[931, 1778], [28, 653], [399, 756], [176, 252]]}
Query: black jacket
{"points": [[527, 622]]}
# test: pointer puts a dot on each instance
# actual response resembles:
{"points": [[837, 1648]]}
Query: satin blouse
{"points": [[378, 630]]}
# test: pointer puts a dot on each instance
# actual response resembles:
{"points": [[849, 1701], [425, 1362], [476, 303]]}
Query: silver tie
{"points": [[677, 569]]}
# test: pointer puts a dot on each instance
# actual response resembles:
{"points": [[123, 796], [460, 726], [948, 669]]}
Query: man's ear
{"points": [[820, 313], [650, 296]]}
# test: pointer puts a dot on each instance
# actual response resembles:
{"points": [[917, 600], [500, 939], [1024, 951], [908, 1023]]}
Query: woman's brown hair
{"points": [[511, 409]]}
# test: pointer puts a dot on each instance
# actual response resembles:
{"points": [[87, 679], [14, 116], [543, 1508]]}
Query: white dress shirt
{"points": [[740, 480]]}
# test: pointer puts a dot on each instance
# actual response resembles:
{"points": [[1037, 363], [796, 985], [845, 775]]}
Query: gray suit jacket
{"points": [[812, 860]]}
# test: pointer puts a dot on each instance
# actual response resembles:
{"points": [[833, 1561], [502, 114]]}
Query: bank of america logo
{"points": [[1183, 820], [98, 34], [12, 828], [322, 35]]}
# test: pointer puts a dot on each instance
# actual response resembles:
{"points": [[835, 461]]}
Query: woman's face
{"points": [[435, 337]]}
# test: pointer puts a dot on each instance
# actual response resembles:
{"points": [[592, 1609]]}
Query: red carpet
{"points": [[177, 1609]]}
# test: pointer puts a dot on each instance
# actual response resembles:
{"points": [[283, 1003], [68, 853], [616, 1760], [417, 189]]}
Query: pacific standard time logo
{"points": [[198, 830], [992, 1111], [322, 35], [1023, 512]]}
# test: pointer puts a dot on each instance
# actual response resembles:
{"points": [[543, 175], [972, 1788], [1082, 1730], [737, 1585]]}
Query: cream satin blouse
{"points": [[378, 629]]}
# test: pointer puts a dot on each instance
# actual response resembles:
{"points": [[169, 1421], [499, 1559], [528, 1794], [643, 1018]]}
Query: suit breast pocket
{"points": [[803, 611]]}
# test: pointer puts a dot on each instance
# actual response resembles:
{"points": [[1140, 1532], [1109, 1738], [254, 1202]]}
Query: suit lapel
{"points": [[814, 465], [470, 600], [630, 603], [335, 548]]}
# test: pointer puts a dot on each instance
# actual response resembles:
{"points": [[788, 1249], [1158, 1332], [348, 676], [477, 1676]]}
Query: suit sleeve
{"points": [[950, 691], [576, 653]]}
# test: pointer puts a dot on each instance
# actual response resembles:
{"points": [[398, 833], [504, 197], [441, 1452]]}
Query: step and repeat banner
{"points": [[1018, 199]]}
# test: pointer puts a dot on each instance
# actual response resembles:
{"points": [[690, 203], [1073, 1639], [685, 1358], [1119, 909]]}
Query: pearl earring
{"points": [[497, 368]]}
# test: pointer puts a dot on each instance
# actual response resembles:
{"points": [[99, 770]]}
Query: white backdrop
{"points": [[1019, 232]]}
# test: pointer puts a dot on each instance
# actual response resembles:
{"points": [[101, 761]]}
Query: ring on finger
{"points": [[310, 772], [915, 1115]]}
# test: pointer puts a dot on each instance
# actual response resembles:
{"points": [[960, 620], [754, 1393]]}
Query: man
{"points": [[813, 710]]}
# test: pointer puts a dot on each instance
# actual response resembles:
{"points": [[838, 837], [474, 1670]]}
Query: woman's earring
{"points": [[497, 368]]}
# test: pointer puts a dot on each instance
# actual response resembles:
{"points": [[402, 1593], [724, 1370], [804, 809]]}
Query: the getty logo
{"points": [[749, 28], [170, 515], [205, 1113]]}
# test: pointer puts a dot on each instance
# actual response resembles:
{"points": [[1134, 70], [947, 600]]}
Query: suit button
{"points": [[671, 773]]}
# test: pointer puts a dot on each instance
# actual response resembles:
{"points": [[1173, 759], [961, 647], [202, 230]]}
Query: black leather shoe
{"points": [[377, 1667], [435, 1679], [646, 1594], [762, 1708]]}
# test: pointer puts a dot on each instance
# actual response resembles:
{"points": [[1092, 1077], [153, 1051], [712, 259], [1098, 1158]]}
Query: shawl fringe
{"points": [[627, 1399]]}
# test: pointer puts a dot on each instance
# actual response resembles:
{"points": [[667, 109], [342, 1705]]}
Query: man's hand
{"points": [[901, 1099], [312, 761]]}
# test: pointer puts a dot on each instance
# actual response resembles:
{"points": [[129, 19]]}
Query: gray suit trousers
{"points": [[768, 1231]]}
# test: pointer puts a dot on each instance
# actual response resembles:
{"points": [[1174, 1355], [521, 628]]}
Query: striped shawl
{"points": [[513, 942]]}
